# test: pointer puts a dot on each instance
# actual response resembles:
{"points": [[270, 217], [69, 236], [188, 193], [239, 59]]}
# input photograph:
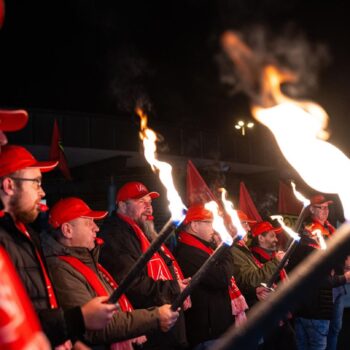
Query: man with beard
{"points": [[264, 248], [248, 270], [127, 235], [216, 302], [20, 194]]}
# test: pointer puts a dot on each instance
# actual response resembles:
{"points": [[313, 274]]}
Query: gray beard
{"points": [[148, 229]]}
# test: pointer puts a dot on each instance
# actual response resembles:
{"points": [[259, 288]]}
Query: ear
{"points": [[261, 238], [8, 186], [67, 231], [122, 207]]}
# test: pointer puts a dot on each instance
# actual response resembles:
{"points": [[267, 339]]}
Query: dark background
{"points": [[100, 56]]}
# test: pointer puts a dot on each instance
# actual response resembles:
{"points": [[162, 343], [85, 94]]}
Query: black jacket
{"points": [[211, 312], [318, 300], [120, 251], [57, 325]]}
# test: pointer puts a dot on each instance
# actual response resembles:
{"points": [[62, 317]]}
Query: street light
{"points": [[241, 125]]}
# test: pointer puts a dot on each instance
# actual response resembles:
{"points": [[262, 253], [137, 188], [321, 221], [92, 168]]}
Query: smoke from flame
{"points": [[298, 126]]}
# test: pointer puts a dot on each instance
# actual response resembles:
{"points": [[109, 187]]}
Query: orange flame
{"points": [[299, 196], [236, 222], [287, 229], [299, 128], [218, 223], [149, 138]]}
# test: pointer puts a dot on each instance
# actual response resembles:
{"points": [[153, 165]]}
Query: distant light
{"points": [[250, 125], [240, 122], [237, 127]]}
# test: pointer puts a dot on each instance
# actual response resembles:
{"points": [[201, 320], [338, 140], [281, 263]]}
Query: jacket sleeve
{"points": [[72, 291], [118, 255], [247, 275]]}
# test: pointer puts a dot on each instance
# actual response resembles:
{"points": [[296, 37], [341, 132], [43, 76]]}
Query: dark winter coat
{"points": [[120, 251], [57, 324], [211, 312], [318, 300]]}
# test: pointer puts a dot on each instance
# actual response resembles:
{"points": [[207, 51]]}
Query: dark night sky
{"points": [[96, 56]]}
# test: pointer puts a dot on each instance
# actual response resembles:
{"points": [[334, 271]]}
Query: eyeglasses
{"points": [[37, 181]]}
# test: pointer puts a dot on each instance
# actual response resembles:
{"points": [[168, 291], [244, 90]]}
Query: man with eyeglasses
{"points": [[20, 194], [216, 302], [315, 310]]}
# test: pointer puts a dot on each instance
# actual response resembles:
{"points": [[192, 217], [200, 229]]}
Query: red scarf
{"points": [[260, 251], [238, 303], [48, 284], [100, 290], [156, 266]]}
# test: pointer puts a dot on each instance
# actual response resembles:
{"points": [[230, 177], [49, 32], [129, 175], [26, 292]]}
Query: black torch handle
{"points": [[141, 262], [198, 276], [297, 226], [281, 264]]}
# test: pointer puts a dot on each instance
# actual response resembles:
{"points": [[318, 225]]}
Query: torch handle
{"points": [[302, 216], [281, 264], [141, 262], [198, 276]]}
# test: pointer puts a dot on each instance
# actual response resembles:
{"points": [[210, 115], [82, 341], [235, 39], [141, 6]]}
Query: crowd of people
{"points": [[69, 271]]}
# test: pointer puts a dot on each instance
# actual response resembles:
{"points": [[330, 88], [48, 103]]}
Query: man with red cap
{"points": [[264, 248], [315, 311], [264, 242], [216, 301], [318, 219], [21, 193], [73, 260], [126, 236], [248, 270]]}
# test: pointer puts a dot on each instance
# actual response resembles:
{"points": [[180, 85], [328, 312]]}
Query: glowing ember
{"points": [[228, 205], [218, 223], [287, 229], [298, 126], [149, 138]]}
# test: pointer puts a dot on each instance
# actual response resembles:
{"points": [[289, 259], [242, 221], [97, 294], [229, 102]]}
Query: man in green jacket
{"points": [[248, 271], [72, 257]]}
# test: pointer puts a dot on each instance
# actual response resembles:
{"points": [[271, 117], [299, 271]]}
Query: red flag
{"points": [[197, 190], [57, 152], [246, 203], [19, 325], [287, 202]]}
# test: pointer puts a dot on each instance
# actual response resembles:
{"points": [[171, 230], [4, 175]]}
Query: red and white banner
{"points": [[19, 326]]}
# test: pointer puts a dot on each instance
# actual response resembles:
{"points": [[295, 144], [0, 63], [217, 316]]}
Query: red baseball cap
{"points": [[134, 190], [12, 120], [13, 158], [319, 199], [197, 213], [243, 217], [71, 208], [264, 226]]}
